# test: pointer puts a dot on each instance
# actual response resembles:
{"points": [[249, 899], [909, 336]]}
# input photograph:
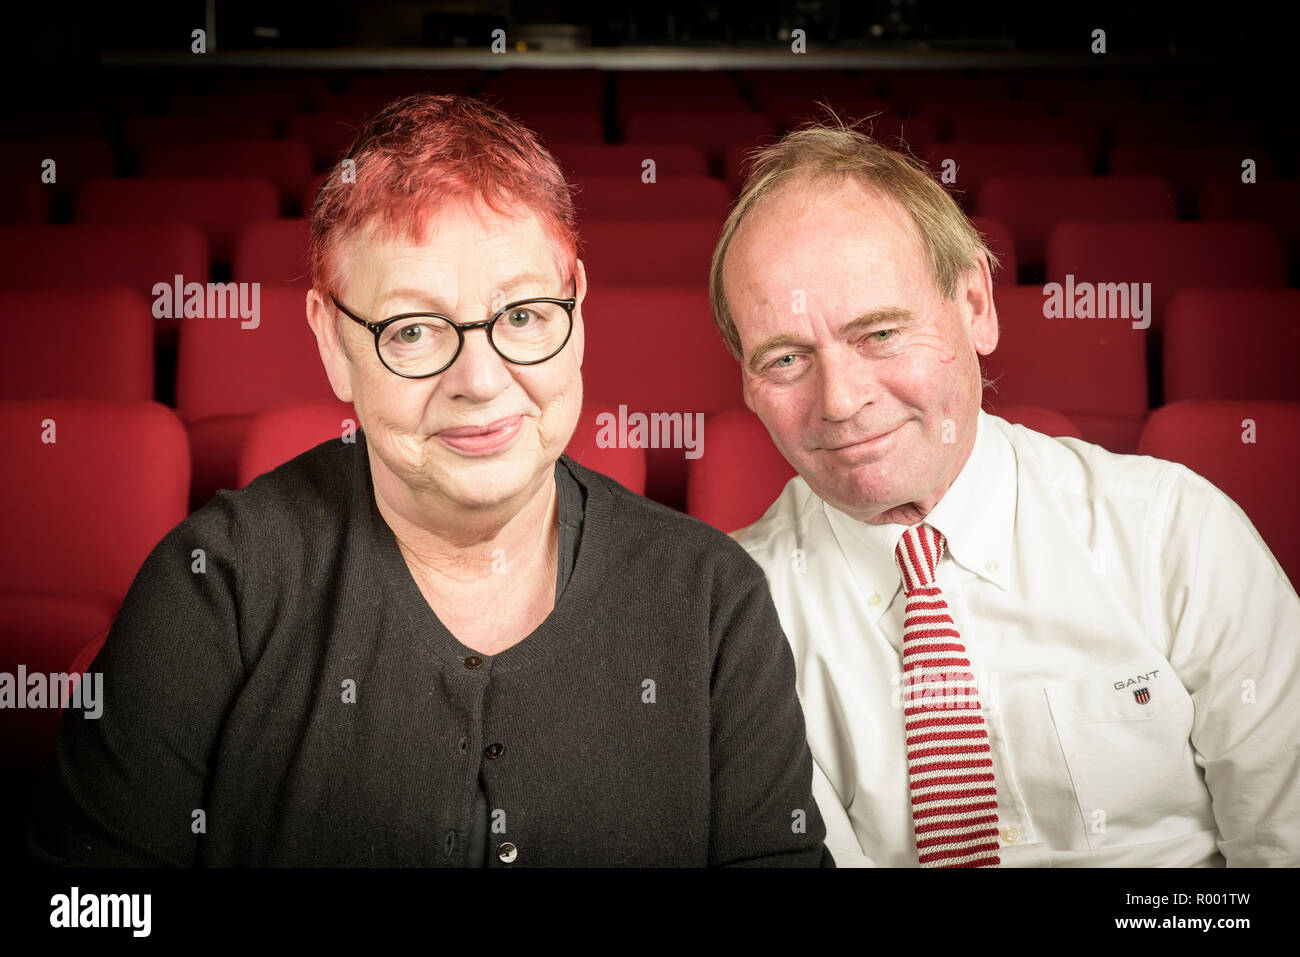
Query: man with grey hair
{"points": [[1012, 649]]}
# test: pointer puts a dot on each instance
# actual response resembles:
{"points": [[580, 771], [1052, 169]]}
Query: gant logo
{"points": [[1137, 680]]}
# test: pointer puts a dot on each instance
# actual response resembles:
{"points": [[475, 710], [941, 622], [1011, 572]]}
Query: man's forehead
{"points": [[813, 222]]}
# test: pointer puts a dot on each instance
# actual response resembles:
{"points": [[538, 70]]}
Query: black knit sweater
{"points": [[298, 702]]}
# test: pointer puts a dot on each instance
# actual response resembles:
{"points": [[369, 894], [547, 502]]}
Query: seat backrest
{"points": [[1232, 344], [88, 343], [1247, 449], [668, 197], [1169, 256], [1031, 205], [740, 474], [92, 487], [648, 252], [220, 207], [273, 250], [1072, 365], [138, 256], [1000, 242], [286, 163], [232, 367], [655, 352]]}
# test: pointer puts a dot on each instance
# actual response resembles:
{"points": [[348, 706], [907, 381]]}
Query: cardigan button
{"points": [[494, 750], [473, 661], [507, 853]]}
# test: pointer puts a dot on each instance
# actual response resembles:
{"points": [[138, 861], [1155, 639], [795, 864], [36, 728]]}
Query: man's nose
{"points": [[845, 386], [478, 373]]}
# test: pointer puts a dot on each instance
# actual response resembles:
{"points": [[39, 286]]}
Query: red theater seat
{"points": [[226, 374], [1187, 164], [1047, 421], [219, 207], [576, 126], [1260, 476], [25, 199], [278, 434], [654, 350], [91, 343], [1031, 205], [669, 197], [1232, 344], [580, 160], [327, 135], [1274, 202], [76, 159], [649, 252], [977, 162], [278, 104], [145, 132], [714, 132], [1170, 256], [998, 238], [273, 250], [87, 508], [1000, 127], [789, 110], [1092, 370], [286, 163], [138, 256], [740, 474]]}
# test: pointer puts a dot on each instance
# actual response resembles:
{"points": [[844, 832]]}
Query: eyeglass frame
{"points": [[461, 328]]}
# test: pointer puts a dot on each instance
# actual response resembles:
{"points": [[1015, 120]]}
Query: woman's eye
{"points": [[409, 335], [519, 318]]}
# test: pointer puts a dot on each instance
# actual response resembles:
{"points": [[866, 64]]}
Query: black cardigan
{"points": [[277, 691]]}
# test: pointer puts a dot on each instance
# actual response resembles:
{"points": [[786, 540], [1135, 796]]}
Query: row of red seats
{"points": [[91, 514], [995, 146], [224, 190], [1094, 370]]}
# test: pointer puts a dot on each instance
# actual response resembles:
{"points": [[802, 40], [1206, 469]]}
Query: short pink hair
{"points": [[424, 150]]}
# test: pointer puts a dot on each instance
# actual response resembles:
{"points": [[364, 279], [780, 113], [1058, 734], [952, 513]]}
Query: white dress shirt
{"points": [[1076, 577]]}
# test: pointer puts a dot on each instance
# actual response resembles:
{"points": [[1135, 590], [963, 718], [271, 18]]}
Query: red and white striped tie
{"points": [[949, 764]]}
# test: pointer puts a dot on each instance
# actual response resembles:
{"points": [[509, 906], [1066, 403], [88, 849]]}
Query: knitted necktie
{"points": [[949, 764]]}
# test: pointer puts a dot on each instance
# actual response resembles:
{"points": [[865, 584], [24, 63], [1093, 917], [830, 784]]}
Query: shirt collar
{"points": [[976, 516]]}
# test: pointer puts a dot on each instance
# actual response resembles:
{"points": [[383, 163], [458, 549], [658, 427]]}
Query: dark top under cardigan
{"points": [[277, 691]]}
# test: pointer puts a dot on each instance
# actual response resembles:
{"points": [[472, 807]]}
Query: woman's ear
{"points": [[579, 330], [325, 321]]}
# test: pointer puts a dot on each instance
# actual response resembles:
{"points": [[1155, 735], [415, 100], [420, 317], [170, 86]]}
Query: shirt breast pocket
{"points": [[1129, 754]]}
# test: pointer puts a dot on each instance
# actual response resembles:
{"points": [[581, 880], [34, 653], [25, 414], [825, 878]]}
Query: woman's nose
{"points": [[478, 372]]}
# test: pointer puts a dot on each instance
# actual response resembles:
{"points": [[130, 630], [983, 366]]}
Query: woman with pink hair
{"points": [[446, 643]]}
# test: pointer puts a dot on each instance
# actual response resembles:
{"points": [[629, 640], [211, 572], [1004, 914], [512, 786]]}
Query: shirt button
{"points": [[494, 750], [1010, 834], [507, 853], [875, 598], [473, 661], [990, 566]]}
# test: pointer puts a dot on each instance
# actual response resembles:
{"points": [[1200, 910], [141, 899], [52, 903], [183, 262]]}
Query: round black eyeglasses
{"points": [[417, 345]]}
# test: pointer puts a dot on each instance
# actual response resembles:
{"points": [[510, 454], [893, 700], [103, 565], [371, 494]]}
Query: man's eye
{"points": [[781, 363], [887, 333]]}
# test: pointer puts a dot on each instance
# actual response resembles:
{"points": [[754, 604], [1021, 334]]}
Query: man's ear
{"points": [[579, 329], [322, 318], [976, 297]]}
